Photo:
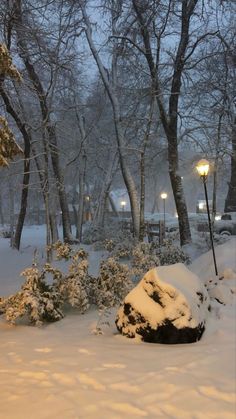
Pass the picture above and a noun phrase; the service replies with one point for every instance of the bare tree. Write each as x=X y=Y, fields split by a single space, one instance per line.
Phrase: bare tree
x=49 y=127
x=110 y=83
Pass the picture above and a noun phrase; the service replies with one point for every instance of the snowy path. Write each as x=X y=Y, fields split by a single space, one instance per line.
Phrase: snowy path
x=64 y=371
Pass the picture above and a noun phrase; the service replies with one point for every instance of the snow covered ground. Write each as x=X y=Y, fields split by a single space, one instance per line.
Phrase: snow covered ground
x=65 y=371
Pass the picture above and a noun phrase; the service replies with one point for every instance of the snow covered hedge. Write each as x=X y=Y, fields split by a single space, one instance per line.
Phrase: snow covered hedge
x=169 y=305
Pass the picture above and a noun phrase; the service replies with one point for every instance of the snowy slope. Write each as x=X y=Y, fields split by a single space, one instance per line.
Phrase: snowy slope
x=64 y=371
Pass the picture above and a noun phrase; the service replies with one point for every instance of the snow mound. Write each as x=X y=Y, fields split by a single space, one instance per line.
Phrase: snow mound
x=169 y=305
x=221 y=293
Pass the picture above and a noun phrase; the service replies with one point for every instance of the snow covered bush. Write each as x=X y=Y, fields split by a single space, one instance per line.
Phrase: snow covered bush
x=123 y=249
x=45 y=293
x=170 y=254
x=112 y=284
x=111 y=231
x=37 y=301
x=144 y=258
x=6 y=234
x=63 y=250
x=169 y=305
x=92 y=234
x=73 y=286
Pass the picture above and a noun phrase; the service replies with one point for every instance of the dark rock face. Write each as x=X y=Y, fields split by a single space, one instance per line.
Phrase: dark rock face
x=165 y=311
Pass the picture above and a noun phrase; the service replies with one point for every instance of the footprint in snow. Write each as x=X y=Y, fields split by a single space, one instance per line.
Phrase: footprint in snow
x=44 y=350
x=119 y=366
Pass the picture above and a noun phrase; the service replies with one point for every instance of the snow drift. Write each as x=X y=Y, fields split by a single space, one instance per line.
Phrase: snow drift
x=169 y=305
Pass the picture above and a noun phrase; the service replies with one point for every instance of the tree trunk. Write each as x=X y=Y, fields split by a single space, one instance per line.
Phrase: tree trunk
x=100 y=216
x=177 y=188
x=11 y=211
x=24 y=197
x=113 y=207
x=53 y=227
x=50 y=217
x=142 y=196
x=80 y=215
x=230 y=202
x=66 y=225
x=142 y=172
x=26 y=177
x=1 y=211
x=216 y=164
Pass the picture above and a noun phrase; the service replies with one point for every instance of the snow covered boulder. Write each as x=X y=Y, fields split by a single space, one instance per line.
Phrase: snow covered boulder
x=169 y=305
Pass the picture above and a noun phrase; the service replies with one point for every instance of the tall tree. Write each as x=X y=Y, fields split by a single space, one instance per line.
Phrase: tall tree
x=169 y=114
x=110 y=84
x=24 y=52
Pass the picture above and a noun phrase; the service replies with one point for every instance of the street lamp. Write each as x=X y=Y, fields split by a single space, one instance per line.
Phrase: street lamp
x=203 y=169
x=123 y=204
x=163 y=197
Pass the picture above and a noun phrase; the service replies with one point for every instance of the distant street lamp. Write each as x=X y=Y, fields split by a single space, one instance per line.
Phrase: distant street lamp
x=123 y=204
x=163 y=197
x=203 y=169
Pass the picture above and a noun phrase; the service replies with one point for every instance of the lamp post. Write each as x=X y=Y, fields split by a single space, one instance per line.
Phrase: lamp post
x=123 y=204
x=163 y=197
x=203 y=169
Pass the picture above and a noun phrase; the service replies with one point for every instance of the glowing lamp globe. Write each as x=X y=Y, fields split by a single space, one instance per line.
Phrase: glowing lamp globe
x=203 y=168
x=163 y=195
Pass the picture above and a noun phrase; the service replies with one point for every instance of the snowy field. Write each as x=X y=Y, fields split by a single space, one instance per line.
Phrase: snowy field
x=64 y=371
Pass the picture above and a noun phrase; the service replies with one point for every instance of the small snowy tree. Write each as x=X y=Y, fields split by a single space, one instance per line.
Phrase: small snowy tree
x=37 y=301
x=113 y=283
x=42 y=299
x=169 y=254
x=144 y=258
x=74 y=287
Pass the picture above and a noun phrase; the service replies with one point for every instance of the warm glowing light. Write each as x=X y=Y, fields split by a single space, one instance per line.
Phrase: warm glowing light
x=203 y=167
x=123 y=203
x=217 y=217
x=163 y=195
x=87 y=198
x=201 y=205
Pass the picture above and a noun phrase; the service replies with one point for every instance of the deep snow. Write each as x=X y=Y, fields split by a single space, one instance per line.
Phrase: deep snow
x=65 y=371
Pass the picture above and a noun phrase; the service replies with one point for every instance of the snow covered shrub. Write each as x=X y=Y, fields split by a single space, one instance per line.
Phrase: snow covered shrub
x=144 y=258
x=63 y=250
x=37 y=301
x=6 y=234
x=73 y=287
x=123 y=249
x=112 y=284
x=169 y=305
x=111 y=231
x=92 y=234
x=45 y=293
x=170 y=254
x=109 y=245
